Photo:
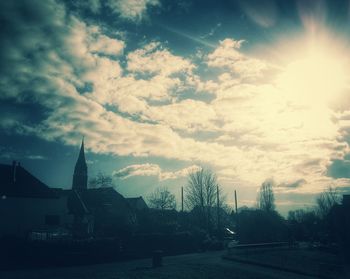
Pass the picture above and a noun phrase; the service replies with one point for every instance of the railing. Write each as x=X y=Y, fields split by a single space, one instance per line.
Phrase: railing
x=260 y=245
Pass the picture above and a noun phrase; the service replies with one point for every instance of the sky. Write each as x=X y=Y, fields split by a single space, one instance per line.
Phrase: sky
x=254 y=90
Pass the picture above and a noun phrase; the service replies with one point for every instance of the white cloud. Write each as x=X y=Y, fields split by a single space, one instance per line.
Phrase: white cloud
x=134 y=10
x=128 y=94
x=187 y=115
x=228 y=55
x=153 y=170
x=165 y=175
x=105 y=45
x=166 y=76
x=154 y=59
x=138 y=170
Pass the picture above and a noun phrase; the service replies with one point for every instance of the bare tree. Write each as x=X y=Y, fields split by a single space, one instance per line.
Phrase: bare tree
x=203 y=195
x=162 y=199
x=326 y=200
x=101 y=180
x=266 y=198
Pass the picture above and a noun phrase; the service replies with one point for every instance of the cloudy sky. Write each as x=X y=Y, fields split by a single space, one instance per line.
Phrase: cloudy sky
x=253 y=90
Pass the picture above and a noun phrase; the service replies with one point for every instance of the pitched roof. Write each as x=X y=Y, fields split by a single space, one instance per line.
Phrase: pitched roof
x=104 y=196
x=87 y=201
x=15 y=181
x=137 y=203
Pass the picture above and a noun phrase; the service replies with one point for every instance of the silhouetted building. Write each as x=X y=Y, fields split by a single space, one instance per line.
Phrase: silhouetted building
x=112 y=213
x=346 y=201
x=100 y=211
x=137 y=203
x=344 y=232
x=82 y=224
x=27 y=204
x=339 y=218
x=80 y=175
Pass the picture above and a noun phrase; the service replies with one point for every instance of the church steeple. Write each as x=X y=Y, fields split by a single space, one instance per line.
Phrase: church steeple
x=80 y=171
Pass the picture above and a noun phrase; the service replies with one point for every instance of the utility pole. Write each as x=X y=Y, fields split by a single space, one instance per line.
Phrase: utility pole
x=182 y=199
x=236 y=202
x=218 y=206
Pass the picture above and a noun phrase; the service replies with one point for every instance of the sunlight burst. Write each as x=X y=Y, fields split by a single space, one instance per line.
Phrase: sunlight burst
x=317 y=76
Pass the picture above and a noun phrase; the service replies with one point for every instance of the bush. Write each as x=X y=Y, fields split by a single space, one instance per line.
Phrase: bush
x=257 y=226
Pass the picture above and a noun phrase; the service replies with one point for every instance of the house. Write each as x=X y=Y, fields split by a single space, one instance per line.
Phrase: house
x=27 y=204
x=100 y=211
x=340 y=225
x=137 y=203
x=82 y=224
x=112 y=213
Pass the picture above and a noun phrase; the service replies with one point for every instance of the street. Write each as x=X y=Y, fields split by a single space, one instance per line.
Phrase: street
x=199 y=265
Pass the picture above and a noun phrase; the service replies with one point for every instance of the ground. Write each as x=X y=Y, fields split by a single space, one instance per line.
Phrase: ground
x=309 y=261
x=199 y=265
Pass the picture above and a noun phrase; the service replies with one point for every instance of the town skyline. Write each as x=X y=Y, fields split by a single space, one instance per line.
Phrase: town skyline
x=160 y=89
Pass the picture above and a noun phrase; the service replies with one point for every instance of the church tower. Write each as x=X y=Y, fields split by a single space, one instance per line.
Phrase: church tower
x=80 y=171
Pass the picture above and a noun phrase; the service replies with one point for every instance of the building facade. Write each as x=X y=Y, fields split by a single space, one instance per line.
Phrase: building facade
x=28 y=205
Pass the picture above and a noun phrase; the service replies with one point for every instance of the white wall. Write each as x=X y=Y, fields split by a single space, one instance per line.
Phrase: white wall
x=18 y=216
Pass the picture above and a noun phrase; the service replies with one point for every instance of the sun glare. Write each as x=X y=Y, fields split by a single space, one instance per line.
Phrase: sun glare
x=316 y=76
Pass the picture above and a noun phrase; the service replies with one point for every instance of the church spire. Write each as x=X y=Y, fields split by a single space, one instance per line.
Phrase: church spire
x=82 y=152
x=80 y=171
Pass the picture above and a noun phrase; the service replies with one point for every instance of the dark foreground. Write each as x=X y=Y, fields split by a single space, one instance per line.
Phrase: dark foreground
x=199 y=265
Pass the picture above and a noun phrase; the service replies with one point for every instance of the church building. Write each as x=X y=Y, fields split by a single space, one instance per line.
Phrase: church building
x=101 y=211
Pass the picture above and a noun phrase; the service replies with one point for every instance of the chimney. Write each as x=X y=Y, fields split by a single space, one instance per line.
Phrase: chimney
x=14 y=166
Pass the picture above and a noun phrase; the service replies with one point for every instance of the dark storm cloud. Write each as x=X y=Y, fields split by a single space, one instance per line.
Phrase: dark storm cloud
x=339 y=169
x=43 y=56
x=123 y=10
x=42 y=44
x=23 y=110
x=28 y=30
x=343 y=190
x=31 y=44
x=308 y=165
x=293 y=185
